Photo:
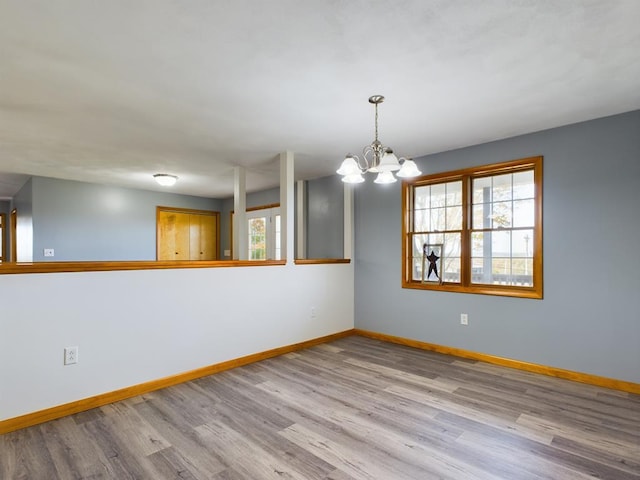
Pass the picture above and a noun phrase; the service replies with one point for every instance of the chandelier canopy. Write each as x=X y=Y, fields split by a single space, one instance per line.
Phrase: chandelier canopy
x=376 y=158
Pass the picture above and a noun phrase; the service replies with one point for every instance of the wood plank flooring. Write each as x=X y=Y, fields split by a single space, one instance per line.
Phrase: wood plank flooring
x=352 y=409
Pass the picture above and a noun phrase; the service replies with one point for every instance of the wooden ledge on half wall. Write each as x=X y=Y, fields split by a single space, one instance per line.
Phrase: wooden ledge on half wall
x=57 y=267
x=106 y=266
x=320 y=261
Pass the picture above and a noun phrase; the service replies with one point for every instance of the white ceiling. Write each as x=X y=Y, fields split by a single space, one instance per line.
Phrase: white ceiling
x=114 y=91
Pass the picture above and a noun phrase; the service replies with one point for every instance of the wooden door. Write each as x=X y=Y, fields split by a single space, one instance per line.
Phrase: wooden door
x=173 y=235
x=185 y=234
x=203 y=230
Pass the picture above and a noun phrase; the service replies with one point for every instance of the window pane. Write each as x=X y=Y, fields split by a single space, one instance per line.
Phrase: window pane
x=438 y=207
x=477 y=244
x=452 y=250
x=438 y=195
x=451 y=269
x=523 y=213
x=257 y=238
x=416 y=268
x=454 y=218
x=482 y=190
x=438 y=223
x=416 y=255
x=454 y=194
x=481 y=216
x=501 y=244
x=501 y=187
x=501 y=215
x=501 y=270
x=501 y=258
x=418 y=242
x=278 y=253
x=480 y=273
x=421 y=197
x=523 y=185
x=522 y=243
x=421 y=220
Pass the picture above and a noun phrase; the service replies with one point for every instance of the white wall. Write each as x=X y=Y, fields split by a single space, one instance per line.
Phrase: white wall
x=136 y=326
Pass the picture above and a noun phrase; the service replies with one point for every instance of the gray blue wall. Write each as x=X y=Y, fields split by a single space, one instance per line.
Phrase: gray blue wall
x=86 y=221
x=589 y=319
x=325 y=211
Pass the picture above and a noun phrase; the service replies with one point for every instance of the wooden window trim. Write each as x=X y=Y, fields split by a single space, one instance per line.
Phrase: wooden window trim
x=466 y=175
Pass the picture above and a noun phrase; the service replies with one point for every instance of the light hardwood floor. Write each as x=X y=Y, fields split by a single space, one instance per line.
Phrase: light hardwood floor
x=355 y=408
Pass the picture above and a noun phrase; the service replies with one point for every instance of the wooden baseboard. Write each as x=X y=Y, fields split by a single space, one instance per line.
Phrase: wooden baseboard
x=78 y=406
x=596 y=380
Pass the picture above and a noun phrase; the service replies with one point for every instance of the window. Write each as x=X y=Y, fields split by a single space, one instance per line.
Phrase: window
x=482 y=225
x=263 y=229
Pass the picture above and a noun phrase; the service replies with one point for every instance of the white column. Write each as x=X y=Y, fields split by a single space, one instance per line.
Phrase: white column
x=301 y=217
x=286 y=206
x=240 y=214
x=348 y=221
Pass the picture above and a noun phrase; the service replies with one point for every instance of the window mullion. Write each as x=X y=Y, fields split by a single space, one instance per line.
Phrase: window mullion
x=465 y=250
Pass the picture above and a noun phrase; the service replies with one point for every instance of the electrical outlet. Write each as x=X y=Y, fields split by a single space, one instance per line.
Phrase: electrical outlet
x=49 y=252
x=70 y=355
x=464 y=319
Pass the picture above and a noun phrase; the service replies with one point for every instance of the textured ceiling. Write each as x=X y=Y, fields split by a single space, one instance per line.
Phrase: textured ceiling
x=114 y=91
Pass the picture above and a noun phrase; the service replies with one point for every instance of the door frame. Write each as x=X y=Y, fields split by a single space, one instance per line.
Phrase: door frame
x=13 y=235
x=3 y=237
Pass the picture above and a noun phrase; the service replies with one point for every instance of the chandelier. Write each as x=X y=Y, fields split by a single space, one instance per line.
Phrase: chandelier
x=376 y=158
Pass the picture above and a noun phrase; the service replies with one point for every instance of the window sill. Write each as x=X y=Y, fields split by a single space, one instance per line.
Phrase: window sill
x=498 y=290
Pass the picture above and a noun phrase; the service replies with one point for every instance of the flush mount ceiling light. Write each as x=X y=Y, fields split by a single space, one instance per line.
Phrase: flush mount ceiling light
x=376 y=158
x=165 y=179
